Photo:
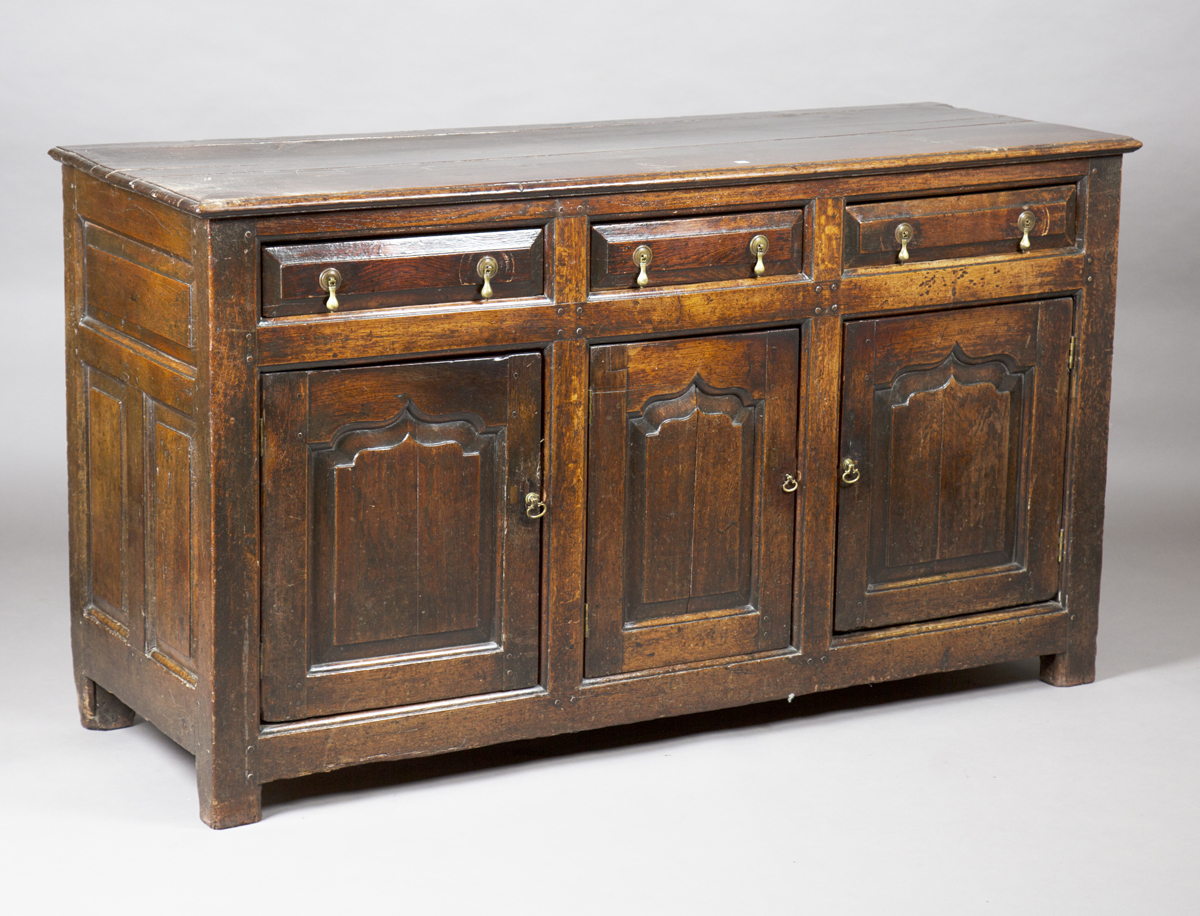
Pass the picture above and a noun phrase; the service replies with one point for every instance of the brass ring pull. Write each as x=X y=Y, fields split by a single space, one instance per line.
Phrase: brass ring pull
x=790 y=484
x=535 y=507
x=486 y=268
x=758 y=247
x=850 y=472
x=1025 y=222
x=904 y=234
x=329 y=281
x=642 y=257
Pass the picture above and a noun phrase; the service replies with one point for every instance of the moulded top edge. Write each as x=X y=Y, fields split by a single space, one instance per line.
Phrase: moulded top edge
x=219 y=178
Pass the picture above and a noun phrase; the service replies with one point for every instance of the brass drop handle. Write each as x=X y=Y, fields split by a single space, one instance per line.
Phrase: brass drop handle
x=850 y=472
x=904 y=234
x=758 y=247
x=329 y=281
x=1025 y=222
x=535 y=506
x=790 y=484
x=486 y=268
x=642 y=257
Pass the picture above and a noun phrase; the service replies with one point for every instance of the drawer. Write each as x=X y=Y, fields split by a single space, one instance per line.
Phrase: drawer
x=696 y=250
x=962 y=226
x=412 y=270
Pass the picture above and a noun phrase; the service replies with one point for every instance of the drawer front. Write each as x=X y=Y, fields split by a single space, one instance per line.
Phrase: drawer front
x=414 y=270
x=963 y=226
x=698 y=250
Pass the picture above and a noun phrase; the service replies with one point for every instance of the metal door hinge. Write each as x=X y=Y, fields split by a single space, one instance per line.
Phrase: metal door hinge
x=262 y=436
x=1071 y=355
x=1062 y=543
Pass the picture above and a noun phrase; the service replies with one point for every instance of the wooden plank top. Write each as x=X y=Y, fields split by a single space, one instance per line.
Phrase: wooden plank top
x=226 y=177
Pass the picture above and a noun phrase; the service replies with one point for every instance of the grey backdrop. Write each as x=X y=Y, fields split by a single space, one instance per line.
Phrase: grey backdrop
x=916 y=797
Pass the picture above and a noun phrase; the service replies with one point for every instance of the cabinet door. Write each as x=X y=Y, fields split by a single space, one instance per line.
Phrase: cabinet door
x=689 y=528
x=399 y=565
x=956 y=423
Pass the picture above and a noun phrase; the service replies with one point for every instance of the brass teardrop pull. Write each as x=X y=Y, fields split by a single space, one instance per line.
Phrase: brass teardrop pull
x=790 y=484
x=758 y=247
x=329 y=281
x=535 y=506
x=904 y=234
x=486 y=268
x=1025 y=222
x=850 y=472
x=642 y=256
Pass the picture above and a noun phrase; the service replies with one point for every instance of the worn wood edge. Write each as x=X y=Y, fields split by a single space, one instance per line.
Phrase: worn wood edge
x=735 y=198
x=138 y=349
x=76 y=434
x=518 y=190
x=125 y=182
x=294 y=343
x=158 y=695
x=312 y=746
x=947 y=624
x=565 y=482
x=960 y=283
x=228 y=575
x=1088 y=430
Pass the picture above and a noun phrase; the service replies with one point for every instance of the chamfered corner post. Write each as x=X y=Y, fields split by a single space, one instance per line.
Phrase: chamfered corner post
x=227 y=692
x=1087 y=461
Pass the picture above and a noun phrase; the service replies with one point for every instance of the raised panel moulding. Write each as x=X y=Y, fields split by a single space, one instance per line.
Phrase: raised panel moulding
x=406 y=521
x=691 y=491
x=952 y=438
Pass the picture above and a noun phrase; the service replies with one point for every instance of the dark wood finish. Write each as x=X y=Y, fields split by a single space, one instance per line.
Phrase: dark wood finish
x=1087 y=462
x=690 y=547
x=115 y=383
x=563 y=571
x=400 y=564
x=241 y=176
x=139 y=291
x=296 y=749
x=355 y=483
x=228 y=572
x=957 y=424
x=410 y=270
x=697 y=250
x=964 y=226
x=170 y=542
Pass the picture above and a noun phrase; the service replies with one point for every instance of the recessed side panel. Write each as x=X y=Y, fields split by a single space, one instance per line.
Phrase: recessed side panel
x=140 y=291
x=170 y=612
x=108 y=497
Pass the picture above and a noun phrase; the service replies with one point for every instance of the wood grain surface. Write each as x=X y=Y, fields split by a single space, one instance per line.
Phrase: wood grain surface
x=301 y=539
x=239 y=176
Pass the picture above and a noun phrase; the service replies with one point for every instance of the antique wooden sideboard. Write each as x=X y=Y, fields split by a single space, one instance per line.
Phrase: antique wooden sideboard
x=391 y=445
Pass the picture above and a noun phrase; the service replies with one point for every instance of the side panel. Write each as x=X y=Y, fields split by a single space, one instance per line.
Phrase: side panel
x=131 y=448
